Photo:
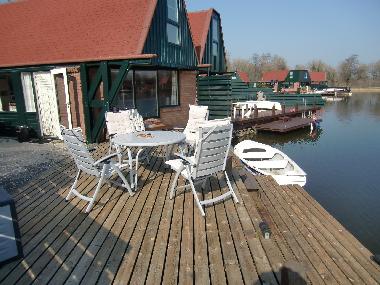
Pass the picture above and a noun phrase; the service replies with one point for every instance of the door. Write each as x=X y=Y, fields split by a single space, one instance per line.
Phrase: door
x=47 y=104
x=61 y=86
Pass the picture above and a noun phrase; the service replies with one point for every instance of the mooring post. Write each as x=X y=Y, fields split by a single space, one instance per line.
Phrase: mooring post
x=255 y=111
x=273 y=110
x=283 y=109
x=296 y=108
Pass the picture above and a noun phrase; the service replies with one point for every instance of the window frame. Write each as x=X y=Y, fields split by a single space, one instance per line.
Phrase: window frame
x=178 y=97
x=173 y=23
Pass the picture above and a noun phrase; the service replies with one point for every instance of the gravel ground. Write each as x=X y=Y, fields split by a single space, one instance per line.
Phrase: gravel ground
x=21 y=162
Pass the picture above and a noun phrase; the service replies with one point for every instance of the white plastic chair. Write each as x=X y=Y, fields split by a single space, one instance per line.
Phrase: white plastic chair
x=197 y=116
x=124 y=122
x=210 y=157
x=103 y=168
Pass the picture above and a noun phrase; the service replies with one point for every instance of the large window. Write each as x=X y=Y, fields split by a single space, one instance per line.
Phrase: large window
x=167 y=88
x=172 y=25
x=147 y=90
x=7 y=95
x=215 y=43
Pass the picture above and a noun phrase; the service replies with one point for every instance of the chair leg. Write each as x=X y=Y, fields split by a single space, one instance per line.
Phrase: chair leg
x=100 y=183
x=196 y=197
x=121 y=175
x=174 y=184
x=230 y=187
x=68 y=197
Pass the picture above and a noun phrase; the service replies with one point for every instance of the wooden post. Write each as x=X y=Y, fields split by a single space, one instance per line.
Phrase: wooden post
x=296 y=108
x=255 y=111
x=293 y=273
x=283 y=109
x=273 y=110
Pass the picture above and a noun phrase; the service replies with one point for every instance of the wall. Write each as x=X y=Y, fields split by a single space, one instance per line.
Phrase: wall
x=178 y=116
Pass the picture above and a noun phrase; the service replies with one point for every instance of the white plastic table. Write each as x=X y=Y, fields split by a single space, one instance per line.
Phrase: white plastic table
x=146 y=139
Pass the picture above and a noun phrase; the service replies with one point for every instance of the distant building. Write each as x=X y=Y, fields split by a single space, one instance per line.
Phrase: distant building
x=206 y=30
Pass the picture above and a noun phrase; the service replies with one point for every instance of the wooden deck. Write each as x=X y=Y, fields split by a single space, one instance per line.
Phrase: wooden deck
x=148 y=238
x=268 y=116
x=285 y=125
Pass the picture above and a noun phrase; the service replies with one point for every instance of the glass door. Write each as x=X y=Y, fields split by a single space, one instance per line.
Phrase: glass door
x=146 y=93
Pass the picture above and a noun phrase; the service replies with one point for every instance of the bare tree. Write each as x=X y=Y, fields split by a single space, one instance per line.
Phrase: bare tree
x=348 y=69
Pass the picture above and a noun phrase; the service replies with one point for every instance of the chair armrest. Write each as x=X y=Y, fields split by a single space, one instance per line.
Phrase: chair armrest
x=106 y=158
x=187 y=159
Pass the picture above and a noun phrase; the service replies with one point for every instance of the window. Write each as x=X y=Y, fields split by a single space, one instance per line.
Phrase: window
x=215 y=43
x=214 y=29
x=173 y=33
x=27 y=88
x=172 y=25
x=7 y=95
x=167 y=88
x=291 y=74
x=146 y=93
x=124 y=99
x=147 y=90
x=173 y=10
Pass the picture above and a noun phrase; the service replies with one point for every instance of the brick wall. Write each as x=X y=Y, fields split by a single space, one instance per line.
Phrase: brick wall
x=76 y=98
x=178 y=116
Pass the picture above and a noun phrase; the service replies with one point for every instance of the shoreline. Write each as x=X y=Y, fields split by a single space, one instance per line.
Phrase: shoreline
x=365 y=89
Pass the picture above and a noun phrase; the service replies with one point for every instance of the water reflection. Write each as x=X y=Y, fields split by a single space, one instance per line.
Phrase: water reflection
x=302 y=136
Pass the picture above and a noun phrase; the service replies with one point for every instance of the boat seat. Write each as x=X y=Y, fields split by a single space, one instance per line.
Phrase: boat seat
x=267 y=164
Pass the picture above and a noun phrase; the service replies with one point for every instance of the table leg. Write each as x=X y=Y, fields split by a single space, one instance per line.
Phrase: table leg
x=131 y=170
x=137 y=166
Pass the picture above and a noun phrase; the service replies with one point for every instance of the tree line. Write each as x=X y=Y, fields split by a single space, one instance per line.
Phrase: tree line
x=350 y=72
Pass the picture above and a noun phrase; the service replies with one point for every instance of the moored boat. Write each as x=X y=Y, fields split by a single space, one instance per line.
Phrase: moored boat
x=263 y=159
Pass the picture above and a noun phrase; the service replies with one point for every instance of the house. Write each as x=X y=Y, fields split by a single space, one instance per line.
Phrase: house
x=318 y=78
x=206 y=30
x=68 y=62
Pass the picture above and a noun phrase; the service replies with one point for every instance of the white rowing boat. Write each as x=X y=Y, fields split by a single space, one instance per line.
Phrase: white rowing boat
x=264 y=159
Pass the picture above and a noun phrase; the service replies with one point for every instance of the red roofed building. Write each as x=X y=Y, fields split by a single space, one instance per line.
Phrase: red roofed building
x=275 y=75
x=67 y=62
x=243 y=76
x=318 y=77
x=206 y=30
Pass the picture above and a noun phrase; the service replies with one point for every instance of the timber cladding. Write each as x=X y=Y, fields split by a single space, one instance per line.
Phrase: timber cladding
x=178 y=116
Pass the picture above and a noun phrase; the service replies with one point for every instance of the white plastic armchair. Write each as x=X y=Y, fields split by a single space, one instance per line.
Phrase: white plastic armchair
x=197 y=116
x=124 y=122
x=103 y=168
x=210 y=157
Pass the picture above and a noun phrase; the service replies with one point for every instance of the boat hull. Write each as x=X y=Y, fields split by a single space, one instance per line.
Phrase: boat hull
x=263 y=159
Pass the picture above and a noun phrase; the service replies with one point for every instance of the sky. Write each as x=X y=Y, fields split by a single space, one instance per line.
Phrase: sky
x=299 y=31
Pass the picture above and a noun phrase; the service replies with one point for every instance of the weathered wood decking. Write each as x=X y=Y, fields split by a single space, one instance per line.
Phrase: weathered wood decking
x=148 y=238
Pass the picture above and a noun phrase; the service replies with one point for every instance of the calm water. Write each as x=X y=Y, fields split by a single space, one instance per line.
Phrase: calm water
x=342 y=160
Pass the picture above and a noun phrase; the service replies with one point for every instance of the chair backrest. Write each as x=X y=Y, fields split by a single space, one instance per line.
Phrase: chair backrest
x=121 y=122
x=73 y=139
x=214 y=141
x=197 y=116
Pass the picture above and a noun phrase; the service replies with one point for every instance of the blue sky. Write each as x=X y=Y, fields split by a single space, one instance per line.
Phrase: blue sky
x=299 y=30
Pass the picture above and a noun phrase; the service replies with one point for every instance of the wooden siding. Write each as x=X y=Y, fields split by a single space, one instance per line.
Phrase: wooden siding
x=170 y=55
x=207 y=56
x=14 y=119
x=218 y=92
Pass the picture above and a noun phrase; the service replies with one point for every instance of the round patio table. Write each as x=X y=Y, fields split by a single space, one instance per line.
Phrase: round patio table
x=146 y=139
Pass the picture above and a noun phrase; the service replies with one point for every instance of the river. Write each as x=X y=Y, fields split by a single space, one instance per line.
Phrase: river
x=342 y=160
